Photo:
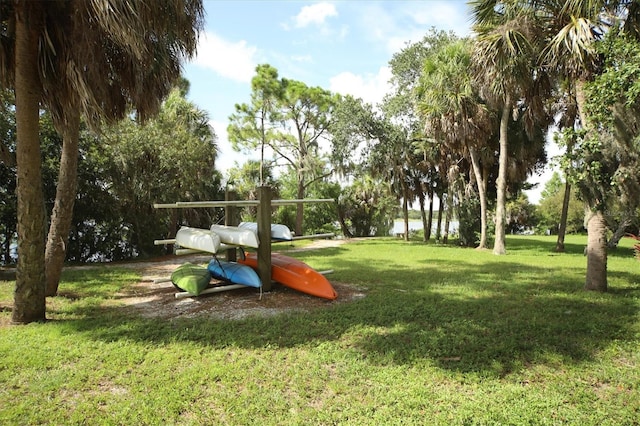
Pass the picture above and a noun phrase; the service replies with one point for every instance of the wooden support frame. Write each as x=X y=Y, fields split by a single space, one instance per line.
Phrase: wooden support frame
x=264 y=237
x=231 y=219
x=264 y=203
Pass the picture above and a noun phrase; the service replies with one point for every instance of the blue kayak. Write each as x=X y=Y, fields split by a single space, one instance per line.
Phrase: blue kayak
x=233 y=272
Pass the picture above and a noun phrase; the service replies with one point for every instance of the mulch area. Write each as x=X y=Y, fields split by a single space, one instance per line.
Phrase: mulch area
x=157 y=299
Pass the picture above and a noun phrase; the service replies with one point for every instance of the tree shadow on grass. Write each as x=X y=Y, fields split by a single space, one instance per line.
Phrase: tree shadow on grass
x=547 y=246
x=489 y=319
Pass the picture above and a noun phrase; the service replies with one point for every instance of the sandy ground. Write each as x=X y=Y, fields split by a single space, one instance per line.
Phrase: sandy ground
x=152 y=299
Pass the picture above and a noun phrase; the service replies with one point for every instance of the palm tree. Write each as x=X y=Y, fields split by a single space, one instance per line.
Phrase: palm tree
x=571 y=31
x=505 y=53
x=91 y=57
x=453 y=112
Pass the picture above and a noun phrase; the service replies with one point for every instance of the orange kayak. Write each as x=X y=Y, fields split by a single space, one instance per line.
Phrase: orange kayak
x=295 y=274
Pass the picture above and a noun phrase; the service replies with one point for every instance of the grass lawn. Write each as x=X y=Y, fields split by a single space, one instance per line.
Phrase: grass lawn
x=444 y=335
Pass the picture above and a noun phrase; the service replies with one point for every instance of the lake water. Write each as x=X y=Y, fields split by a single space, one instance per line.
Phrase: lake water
x=416 y=225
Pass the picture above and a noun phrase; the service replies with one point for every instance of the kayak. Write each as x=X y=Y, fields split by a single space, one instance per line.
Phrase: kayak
x=191 y=278
x=295 y=274
x=197 y=239
x=233 y=272
x=235 y=236
x=279 y=232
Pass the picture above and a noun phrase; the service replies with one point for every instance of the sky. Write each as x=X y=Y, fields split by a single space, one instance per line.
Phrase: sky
x=341 y=46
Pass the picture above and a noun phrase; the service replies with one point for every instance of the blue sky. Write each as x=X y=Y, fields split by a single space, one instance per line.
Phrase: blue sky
x=342 y=46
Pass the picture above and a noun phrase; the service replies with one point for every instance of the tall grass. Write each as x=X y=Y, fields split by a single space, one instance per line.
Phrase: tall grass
x=445 y=335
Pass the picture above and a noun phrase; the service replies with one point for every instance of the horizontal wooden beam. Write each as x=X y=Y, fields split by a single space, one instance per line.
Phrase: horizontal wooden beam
x=238 y=203
x=211 y=290
x=163 y=242
x=313 y=236
x=301 y=201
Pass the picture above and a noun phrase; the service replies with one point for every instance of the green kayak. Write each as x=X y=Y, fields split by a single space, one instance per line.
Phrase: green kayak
x=191 y=278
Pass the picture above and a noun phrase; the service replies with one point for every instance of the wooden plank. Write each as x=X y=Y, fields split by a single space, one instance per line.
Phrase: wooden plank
x=264 y=237
x=185 y=252
x=239 y=203
x=301 y=201
x=314 y=236
x=210 y=290
x=231 y=219
x=163 y=242
x=196 y=204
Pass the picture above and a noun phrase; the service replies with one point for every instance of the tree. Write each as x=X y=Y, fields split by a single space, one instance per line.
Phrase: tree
x=252 y=123
x=299 y=116
x=571 y=31
x=170 y=157
x=366 y=143
x=427 y=166
x=552 y=207
x=367 y=208
x=454 y=114
x=54 y=52
x=506 y=49
x=609 y=158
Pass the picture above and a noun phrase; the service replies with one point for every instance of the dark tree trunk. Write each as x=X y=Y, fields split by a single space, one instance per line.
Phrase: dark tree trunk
x=405 y=214
x=563 y=218
x=423 y=216
x=430 y=220
x=447 y=220
x=626 y=221
x=300 y=208
x=439 y=226
x=62 y=214
x=29 y=299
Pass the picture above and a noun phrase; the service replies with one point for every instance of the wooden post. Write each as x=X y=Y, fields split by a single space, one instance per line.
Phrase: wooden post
x=231 y=219
x=264 y=237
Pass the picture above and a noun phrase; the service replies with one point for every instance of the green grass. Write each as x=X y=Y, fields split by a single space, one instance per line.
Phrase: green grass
x=445 y=335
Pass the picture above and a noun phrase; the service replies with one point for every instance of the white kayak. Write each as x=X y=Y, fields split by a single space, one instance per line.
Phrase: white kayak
x=198 y=239
x=235 y=236
x=279 y=232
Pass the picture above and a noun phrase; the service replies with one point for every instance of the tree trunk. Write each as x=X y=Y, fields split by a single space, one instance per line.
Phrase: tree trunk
x=475 y=161
x=448 y=203
x=581 y=101
x=405 y=213
x=423 y=215
x=596 y=225
x=29 y=299
x=501 y=181
x=430 y=222
x=62 y=214
x=439 y=226
x=343 y=224
x=300 y=207
x=625 y=222
x=596 y=251
x=563 y=218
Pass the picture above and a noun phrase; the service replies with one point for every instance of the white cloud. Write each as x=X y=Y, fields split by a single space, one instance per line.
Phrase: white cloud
x=314 y=14
x=393 y=25
x=233 y=60
x=445 y=15
x=371 y=87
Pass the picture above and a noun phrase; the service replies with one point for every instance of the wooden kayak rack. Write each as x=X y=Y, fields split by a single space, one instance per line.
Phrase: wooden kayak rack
x=264 y=203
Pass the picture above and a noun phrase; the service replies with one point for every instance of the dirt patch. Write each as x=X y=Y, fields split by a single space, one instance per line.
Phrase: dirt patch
x=152 y=299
